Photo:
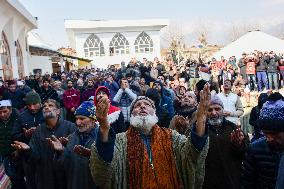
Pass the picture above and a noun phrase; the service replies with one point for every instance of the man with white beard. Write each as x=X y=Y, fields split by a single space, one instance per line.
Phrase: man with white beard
x=227 y=144
x=148 y=156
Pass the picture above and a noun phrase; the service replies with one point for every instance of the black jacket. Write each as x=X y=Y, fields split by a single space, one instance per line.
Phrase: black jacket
x=6 y=137
x=224 y=159
x=48 y=94
x=260 y=167
x=26 y=120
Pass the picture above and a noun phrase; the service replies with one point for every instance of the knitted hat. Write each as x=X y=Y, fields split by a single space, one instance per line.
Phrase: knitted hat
x=142 y=98
x=87 y=109
x=272 y=116
x=32 y=98
x=216 y=100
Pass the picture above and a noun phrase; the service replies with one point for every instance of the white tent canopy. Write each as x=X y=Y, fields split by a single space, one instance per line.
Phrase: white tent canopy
x=254 y=40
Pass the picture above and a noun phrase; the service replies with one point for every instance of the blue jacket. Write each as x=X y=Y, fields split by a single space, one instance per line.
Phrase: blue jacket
x=113 y=88
x=260 y=167
x=77 y=167
x=167 y=103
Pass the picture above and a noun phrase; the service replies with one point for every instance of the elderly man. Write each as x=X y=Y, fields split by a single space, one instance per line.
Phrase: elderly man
x=261 y=165
x=47 y=175
x=148 y=156
x=185 y=113
x=227 y=148
x=12 y=166
x=75 y=156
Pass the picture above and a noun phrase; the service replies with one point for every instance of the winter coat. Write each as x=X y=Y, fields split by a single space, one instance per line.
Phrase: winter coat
x=242 y=67
x=88 y=93
x=48 y=94
x=77 y=167
x=261 y=66
x=6 y=136
x=273 y=65
x=26 y=120
x=224 y=159
x=48 y=174
x=260 y=166
x=113 y=88
x=71 y=99
x=17 y=98
x=124 y=99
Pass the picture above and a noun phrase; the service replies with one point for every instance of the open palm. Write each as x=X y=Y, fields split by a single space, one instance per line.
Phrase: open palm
x=55 y=143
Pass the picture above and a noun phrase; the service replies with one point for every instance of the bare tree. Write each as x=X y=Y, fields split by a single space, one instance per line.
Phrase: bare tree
x=239 y=29
x=173 y=33
x=202 y=31
x=173 y=37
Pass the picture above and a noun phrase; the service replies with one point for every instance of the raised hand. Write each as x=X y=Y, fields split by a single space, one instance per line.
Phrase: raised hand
x=205 y=97
x=102 y=108
x=82 y=151
x=55 y=143
x=20 y=146
x=237 y=137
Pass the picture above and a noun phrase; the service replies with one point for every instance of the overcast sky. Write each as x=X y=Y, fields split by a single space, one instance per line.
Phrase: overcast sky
x=218 y=14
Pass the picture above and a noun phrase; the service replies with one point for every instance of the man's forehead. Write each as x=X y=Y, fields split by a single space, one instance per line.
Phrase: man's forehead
x=49 y=103
x=143 y=101
x=214 y=106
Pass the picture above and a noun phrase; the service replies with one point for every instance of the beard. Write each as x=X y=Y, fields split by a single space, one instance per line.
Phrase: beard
x=49 y=115
x=215 y=121
x=144 y=122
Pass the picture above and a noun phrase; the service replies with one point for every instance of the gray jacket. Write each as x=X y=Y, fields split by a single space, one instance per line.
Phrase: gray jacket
x=48 y=175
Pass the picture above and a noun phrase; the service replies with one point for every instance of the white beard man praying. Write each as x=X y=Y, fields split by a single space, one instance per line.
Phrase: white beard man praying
x=148 y=156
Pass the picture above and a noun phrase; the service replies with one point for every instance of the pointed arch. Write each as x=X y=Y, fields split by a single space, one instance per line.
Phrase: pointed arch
x=143 y=43
x=5 y=56
x=118 y=45
x=20 y=62
x=93 y=46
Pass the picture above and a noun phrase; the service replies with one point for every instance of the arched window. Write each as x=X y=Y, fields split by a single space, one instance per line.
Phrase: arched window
x=5 y=57
x=94 y=46
x=143 y=43
x=20 y=60
x=118 y=45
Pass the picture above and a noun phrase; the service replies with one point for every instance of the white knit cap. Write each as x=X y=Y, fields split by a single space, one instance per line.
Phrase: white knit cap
x=5 y=103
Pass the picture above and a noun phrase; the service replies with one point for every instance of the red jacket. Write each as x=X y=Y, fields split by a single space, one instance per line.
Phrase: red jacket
x=71 y=98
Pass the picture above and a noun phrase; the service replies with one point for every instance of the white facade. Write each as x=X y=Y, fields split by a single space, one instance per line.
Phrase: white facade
x=15 y=22
x=111 y=42
x=42 y=63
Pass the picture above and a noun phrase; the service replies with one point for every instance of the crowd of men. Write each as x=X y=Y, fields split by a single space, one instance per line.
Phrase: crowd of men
x=145 y=125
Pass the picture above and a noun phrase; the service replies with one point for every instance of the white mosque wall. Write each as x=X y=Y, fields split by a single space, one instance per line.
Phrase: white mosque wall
x=42 y=63
x=104 y=61
x=15 y=22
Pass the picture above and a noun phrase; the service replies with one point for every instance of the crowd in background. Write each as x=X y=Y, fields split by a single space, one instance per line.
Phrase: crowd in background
x=28 y=105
